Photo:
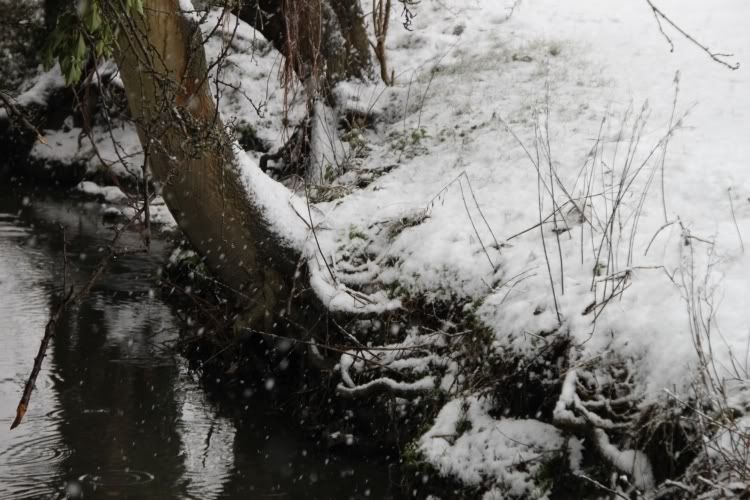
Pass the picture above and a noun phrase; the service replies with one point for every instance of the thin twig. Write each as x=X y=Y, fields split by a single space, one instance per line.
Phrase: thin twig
x=602 y=486
x=716 y=56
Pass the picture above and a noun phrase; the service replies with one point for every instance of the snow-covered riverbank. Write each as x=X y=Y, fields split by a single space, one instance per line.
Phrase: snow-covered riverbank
x=572 y=201
x=635 y=159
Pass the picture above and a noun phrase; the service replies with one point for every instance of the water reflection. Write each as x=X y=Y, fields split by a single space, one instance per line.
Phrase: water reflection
x=207 y=443
x=115 y=413
x=39 y=449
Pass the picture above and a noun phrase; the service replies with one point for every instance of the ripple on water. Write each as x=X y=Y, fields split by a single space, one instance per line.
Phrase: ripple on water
x=9 y=226
x=31 y=465
x=31 y=452
x=24 y=299
x=116 y=478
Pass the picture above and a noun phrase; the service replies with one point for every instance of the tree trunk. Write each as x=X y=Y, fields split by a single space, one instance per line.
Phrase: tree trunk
x=322 y=39
x=52 y=10
x=163 y=68
x=355 y=61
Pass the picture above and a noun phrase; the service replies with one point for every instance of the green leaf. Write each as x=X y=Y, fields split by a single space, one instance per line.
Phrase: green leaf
x=96 y=14
x=81 y=47
x=93 y=20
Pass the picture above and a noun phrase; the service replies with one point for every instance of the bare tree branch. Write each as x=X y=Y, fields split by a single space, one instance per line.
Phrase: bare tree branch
x=716 y=56
x=13 y=110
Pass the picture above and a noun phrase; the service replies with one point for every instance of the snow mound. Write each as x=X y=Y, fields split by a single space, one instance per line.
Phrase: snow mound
x=466 y=443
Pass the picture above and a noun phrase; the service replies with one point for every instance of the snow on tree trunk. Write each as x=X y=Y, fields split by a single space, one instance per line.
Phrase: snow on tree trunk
x=222 y=210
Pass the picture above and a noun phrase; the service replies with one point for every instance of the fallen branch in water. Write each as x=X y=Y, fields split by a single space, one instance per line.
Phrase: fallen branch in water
x=49 y=331
x=70 y=299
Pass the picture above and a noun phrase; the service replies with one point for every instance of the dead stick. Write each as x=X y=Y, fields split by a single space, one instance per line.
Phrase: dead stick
x=49 y=332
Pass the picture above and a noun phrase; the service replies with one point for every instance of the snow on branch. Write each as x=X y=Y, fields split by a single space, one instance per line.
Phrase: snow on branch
x=390 y=386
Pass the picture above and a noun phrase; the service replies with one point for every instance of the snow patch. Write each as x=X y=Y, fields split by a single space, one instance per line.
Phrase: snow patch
x=110 y=194
x=467 y=443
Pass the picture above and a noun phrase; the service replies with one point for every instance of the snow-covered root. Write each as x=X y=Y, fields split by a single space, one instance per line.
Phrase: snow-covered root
x=572 y=414
x=297 y=225
x=384 y=368
x=339 y=298
x=335 y=280
x=632 y=462
x=386 y=385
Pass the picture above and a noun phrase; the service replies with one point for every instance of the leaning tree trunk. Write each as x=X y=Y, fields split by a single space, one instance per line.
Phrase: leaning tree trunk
x=323 y=41
x=163 y=68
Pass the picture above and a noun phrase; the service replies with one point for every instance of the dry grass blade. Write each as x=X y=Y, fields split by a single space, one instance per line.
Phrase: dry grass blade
x=734 y=219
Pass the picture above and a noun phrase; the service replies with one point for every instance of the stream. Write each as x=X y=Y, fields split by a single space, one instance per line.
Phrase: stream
x=116 y=413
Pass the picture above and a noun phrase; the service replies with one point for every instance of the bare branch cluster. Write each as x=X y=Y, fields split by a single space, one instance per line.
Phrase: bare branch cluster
x=408 y=13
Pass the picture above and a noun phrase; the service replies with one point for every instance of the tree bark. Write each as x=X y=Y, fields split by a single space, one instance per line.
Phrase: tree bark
x=323 y=39
x=355 y=61
x=163 y=68
x=52 y=10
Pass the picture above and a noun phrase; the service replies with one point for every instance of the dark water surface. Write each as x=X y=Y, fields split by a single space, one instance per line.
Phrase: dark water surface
x=115 y=413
